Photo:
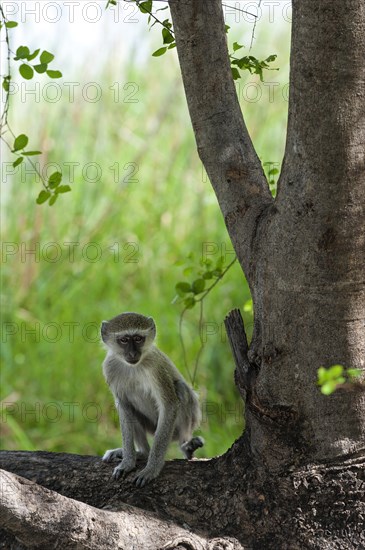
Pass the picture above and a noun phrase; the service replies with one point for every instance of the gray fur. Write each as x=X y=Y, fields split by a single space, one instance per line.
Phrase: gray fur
x=151 y=397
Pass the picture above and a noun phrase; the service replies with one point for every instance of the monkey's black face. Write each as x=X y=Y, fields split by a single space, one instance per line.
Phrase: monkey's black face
x=131 y=346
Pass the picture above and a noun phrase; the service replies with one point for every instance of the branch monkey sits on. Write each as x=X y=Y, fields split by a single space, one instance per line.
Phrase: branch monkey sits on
x=151 y=396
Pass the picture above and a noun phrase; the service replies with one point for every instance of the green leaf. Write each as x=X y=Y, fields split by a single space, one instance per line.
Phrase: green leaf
x=54 y=74
x=145 y=7
x=242 y=63
x=43 y=197
x=335 y=371
x=236 y=46
x=182 y=288
x=322 y=376
x=167 y=36
x=198 y=286
x=226 y=28
x=159 y=52
x=33 y=55
x=330 y=378
x=11 y=24
x=187 y=271
x=31 y=153
x=6 y=83
x=22 y=53
x=235 y=73
x=20 y=142
x=41 y=68
x=271 y=58
x=46 y=57
x=26 y=71
x=208 y=275
x=189 y=302
x=54 y=180
x=18 y=161
x=63 y=189
x=172 y=46
x=53 y=199
x=207 y=263
x=328 y=387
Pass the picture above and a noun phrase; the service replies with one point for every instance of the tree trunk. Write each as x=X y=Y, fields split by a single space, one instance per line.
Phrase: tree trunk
x=304 y=253
x=296 y=478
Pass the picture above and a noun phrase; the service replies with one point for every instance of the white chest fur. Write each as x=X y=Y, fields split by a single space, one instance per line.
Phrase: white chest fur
x=134 y=384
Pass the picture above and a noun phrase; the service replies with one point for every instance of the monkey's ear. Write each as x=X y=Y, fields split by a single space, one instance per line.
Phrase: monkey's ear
x=103 y=328
x=152 y=328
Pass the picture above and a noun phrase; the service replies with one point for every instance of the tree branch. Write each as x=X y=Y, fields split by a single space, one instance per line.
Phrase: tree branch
x=229 y=502
x=44 y=519
x=224 y=145
x=236 y=333
x=184 y=494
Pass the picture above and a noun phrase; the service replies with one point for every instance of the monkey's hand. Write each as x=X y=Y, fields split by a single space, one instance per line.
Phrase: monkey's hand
x=111 y=454
x=147 y=474
x=126 y=466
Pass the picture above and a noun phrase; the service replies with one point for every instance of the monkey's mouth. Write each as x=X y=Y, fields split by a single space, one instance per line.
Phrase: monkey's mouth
x=133 y=361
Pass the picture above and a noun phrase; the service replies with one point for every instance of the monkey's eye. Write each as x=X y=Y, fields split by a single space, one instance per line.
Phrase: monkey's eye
x=138 y=339
x=123 y=340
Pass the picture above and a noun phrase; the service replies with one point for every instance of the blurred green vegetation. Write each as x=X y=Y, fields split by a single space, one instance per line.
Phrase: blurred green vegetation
x=140 y=204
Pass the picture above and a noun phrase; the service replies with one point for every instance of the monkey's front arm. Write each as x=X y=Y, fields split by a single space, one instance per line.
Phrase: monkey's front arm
x=126 y=418
x=156 y=459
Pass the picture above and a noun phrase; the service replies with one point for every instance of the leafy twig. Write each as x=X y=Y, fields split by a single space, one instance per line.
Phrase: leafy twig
x=51 y=187
x=195 y=293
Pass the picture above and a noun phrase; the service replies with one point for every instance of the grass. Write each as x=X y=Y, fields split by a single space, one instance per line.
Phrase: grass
x=139 y=206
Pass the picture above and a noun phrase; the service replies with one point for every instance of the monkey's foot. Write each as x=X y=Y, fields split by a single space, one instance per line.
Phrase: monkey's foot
x=126 y=466
x=189 y=447
x=111 y=454
x=146 y=475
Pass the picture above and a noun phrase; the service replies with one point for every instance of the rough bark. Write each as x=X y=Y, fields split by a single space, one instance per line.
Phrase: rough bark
x=225 y=503
x=43 y=519
x=304 y=253
x=311 y=259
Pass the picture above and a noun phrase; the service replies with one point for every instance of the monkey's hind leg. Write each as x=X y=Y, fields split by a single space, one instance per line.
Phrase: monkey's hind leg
x=141 y=440
x=189 y=447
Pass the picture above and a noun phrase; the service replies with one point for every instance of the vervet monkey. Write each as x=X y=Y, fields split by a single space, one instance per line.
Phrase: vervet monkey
x=150 y=394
